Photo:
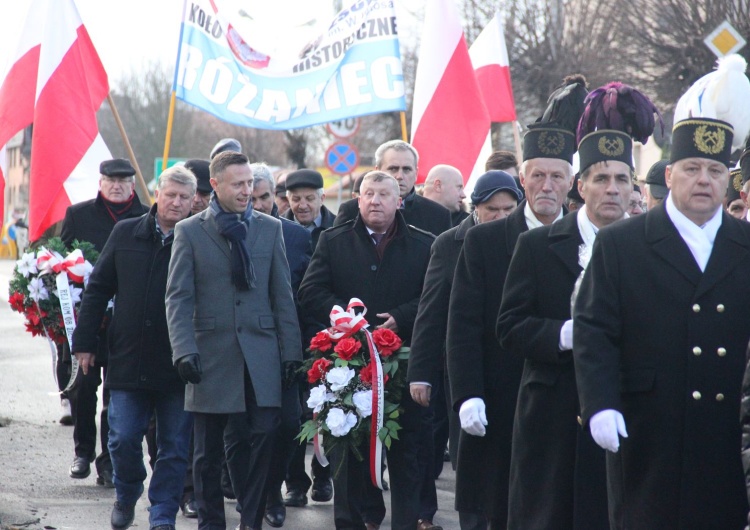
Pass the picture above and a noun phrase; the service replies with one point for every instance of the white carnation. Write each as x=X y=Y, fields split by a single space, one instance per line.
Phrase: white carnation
x=339 y=377
x=363 y=401
x=340 y=422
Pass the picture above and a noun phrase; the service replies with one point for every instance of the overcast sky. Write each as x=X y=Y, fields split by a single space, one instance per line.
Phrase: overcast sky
x=128 y=35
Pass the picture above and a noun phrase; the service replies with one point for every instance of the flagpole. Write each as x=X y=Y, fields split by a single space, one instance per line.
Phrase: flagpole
x=168 y=139
x=517 y=140
x=139 y=182
x=404 y=136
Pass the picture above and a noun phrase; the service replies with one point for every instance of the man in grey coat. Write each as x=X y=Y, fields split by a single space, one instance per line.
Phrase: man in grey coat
x=235 y=338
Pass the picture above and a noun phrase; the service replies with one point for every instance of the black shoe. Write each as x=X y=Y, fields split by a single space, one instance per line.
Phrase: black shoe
x=80 y=468
x=189 y=509
x=163 y=527
x=275 y=510
x=386 y=487
x=446 y=455
x=226 y=486
x=295 y=499
x=104 y=478
x=122 y=516
x=322 y=490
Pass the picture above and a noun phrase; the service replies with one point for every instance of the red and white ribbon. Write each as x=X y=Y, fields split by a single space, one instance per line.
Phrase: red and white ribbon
x=318 y=446
x=345 y=323
x=378 y=387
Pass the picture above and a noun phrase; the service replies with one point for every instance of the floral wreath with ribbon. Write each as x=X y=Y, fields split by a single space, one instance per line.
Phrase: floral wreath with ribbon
x=46 y=289
x=357 y=379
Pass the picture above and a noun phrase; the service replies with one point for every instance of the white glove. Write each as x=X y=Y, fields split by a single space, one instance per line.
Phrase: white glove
x=473 y=417
x=605 y=426
x=566 y=336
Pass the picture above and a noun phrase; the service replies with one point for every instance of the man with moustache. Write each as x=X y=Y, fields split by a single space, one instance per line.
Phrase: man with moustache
x=235 y=339
x=484 y=378
x=400 y=160
x=557 y=474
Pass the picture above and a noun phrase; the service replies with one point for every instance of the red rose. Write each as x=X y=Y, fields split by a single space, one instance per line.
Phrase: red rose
x=318 y=370
x=322 y=341
x=367 y=374
x=386 y=341
x=347 y=348
x=16 y=302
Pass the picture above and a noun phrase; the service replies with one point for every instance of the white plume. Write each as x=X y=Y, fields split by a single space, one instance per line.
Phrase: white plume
x=723 y=94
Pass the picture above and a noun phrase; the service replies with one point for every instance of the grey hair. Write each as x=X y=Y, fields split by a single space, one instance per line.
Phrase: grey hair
x=319 y=191
x=380 y=176
x=180 y=175
x=262 y=173
x=396 y=145
x=569 y=166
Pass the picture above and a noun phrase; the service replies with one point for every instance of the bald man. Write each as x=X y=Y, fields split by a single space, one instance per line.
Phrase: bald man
x=445 y=186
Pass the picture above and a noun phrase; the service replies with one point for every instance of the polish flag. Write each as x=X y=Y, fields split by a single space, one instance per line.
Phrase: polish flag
x=57 y=82
x=489 y=56
x=449 y=119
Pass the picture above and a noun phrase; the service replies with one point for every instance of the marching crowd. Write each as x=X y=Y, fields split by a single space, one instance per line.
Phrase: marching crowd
x=578 y=343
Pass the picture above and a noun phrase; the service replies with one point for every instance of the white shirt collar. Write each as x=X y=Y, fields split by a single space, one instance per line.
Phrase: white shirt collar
x=699 y=239
x=532 y=221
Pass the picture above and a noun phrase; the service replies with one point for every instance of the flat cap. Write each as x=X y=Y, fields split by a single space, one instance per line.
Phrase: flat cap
x=304 y=178
x=657 y=185
x=200 y=170
x=117 y=167
x=226 y=144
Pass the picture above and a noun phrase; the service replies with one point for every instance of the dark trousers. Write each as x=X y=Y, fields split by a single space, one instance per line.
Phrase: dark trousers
x=83 y=402
x=248 y=439
x=296 y=477
x=356 y=501
x=440 y=424
x=286 y=444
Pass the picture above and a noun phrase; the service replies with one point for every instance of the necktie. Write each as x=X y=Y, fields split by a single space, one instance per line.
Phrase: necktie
x=376 y=238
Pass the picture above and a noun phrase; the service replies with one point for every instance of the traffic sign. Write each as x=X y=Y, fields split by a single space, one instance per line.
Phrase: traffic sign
x=724 y=40
x=341 y=158
x=343 y=128
x=159 y=166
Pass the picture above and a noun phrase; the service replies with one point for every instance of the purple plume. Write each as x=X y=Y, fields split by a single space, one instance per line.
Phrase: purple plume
x=621 y=107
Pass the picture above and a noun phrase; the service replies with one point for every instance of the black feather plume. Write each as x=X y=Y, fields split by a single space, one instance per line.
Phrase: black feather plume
x=565 y=105
x=621 y=107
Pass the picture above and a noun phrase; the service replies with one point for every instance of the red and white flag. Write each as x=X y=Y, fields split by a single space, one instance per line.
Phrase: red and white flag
x=449 y=119
x=489 y=56
x=57 y=82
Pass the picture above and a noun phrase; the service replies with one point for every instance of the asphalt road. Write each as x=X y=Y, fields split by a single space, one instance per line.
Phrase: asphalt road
x=36 y=451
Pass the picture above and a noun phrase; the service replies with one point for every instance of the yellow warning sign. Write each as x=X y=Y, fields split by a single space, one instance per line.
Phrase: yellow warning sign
x=724 y=40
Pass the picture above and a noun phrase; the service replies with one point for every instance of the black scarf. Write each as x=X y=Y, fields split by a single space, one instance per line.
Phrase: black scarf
x=234 y=227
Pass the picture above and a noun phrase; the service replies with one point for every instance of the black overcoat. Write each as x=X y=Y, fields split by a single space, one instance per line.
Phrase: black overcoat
x=90 y=221
x=664 y=343
x=423 y=213
x=345 y=265
x=478 y=367
x=133 y=266
x=557 y=472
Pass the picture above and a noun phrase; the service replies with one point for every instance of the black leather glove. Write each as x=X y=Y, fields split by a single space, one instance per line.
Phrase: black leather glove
x=290 y=373
x=189 y=368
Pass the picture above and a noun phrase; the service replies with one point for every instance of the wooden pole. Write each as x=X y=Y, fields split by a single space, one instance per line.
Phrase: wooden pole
x=404 y=136
x=140 y=184
x=168 y=139
x=517 y=139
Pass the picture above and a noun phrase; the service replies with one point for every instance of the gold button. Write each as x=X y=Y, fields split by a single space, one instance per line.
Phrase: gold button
x=696 y=395
x=719 y=397
x=721 y=352
x=696 y=308
x=697 y=350
x=580 y=420
x=720 y=308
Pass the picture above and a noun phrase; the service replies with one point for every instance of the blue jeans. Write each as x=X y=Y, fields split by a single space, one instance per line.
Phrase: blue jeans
x=129 y=414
